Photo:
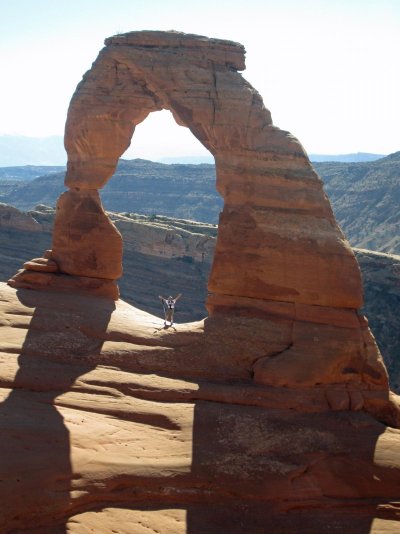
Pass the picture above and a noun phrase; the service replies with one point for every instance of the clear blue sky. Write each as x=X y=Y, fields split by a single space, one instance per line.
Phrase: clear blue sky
x=327 y=69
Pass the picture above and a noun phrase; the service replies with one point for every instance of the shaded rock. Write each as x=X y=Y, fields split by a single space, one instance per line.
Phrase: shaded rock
x=277 y=227
x=280 y=396
x=164 y=237
x=365 y=198
x=153 y=265
x=381 y=277
x=11 y=217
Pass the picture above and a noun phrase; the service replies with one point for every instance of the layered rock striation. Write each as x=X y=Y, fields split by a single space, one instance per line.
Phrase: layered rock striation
x=162 y=254
x=273 y=199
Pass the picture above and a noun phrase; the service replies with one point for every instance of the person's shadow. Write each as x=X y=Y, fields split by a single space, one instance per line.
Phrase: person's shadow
x=35 y=465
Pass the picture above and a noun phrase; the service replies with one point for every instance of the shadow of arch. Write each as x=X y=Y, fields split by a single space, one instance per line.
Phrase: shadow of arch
x=35 y=457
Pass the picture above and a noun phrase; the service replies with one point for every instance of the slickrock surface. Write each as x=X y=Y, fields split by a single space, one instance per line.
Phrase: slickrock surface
x=278 y=241
x=110 y=422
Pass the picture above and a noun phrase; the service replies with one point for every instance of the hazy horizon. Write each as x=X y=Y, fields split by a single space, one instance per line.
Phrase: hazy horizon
x=49 y=151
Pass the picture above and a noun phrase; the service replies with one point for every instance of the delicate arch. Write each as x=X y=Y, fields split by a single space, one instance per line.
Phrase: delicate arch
x=277 y=240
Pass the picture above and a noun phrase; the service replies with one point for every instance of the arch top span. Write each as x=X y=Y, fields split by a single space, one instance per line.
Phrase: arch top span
x=194 y=77
x=221 y=51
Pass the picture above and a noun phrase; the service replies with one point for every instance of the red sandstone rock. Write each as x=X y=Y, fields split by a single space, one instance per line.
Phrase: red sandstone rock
x=277 y=229
x=229 y=419
x=11 y=217
x=41 y=264
x=278 y=241
x=85 y=242
x=49 y=281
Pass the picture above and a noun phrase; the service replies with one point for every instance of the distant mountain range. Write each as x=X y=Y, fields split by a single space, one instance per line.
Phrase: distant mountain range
x=28 y=172
x=17 y=150
x=140 y=186
x=358 y=157
x=365 y=196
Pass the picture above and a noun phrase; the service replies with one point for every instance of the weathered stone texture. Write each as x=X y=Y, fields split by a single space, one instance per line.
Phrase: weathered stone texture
x=235 y=410
x=100 y=406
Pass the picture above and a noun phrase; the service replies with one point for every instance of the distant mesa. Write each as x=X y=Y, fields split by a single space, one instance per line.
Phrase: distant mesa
x=358 y=157
x=363 y=195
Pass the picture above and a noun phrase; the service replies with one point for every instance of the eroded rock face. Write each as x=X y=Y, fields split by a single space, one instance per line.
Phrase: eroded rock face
x=277 y=240
x=85 y=241
x=11 y=217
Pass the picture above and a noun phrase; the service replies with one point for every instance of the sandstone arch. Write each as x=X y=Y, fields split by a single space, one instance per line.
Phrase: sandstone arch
x=277 y=239
x=283 y=274
x=283 y=344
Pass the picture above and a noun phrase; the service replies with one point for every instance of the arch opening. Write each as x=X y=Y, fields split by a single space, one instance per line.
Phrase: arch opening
x=167 y=214
x=159 y=138
x=180 y=189
x=280 y=256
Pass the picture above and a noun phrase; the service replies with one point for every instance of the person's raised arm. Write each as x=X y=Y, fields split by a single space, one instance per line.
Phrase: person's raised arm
x=178 y=297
